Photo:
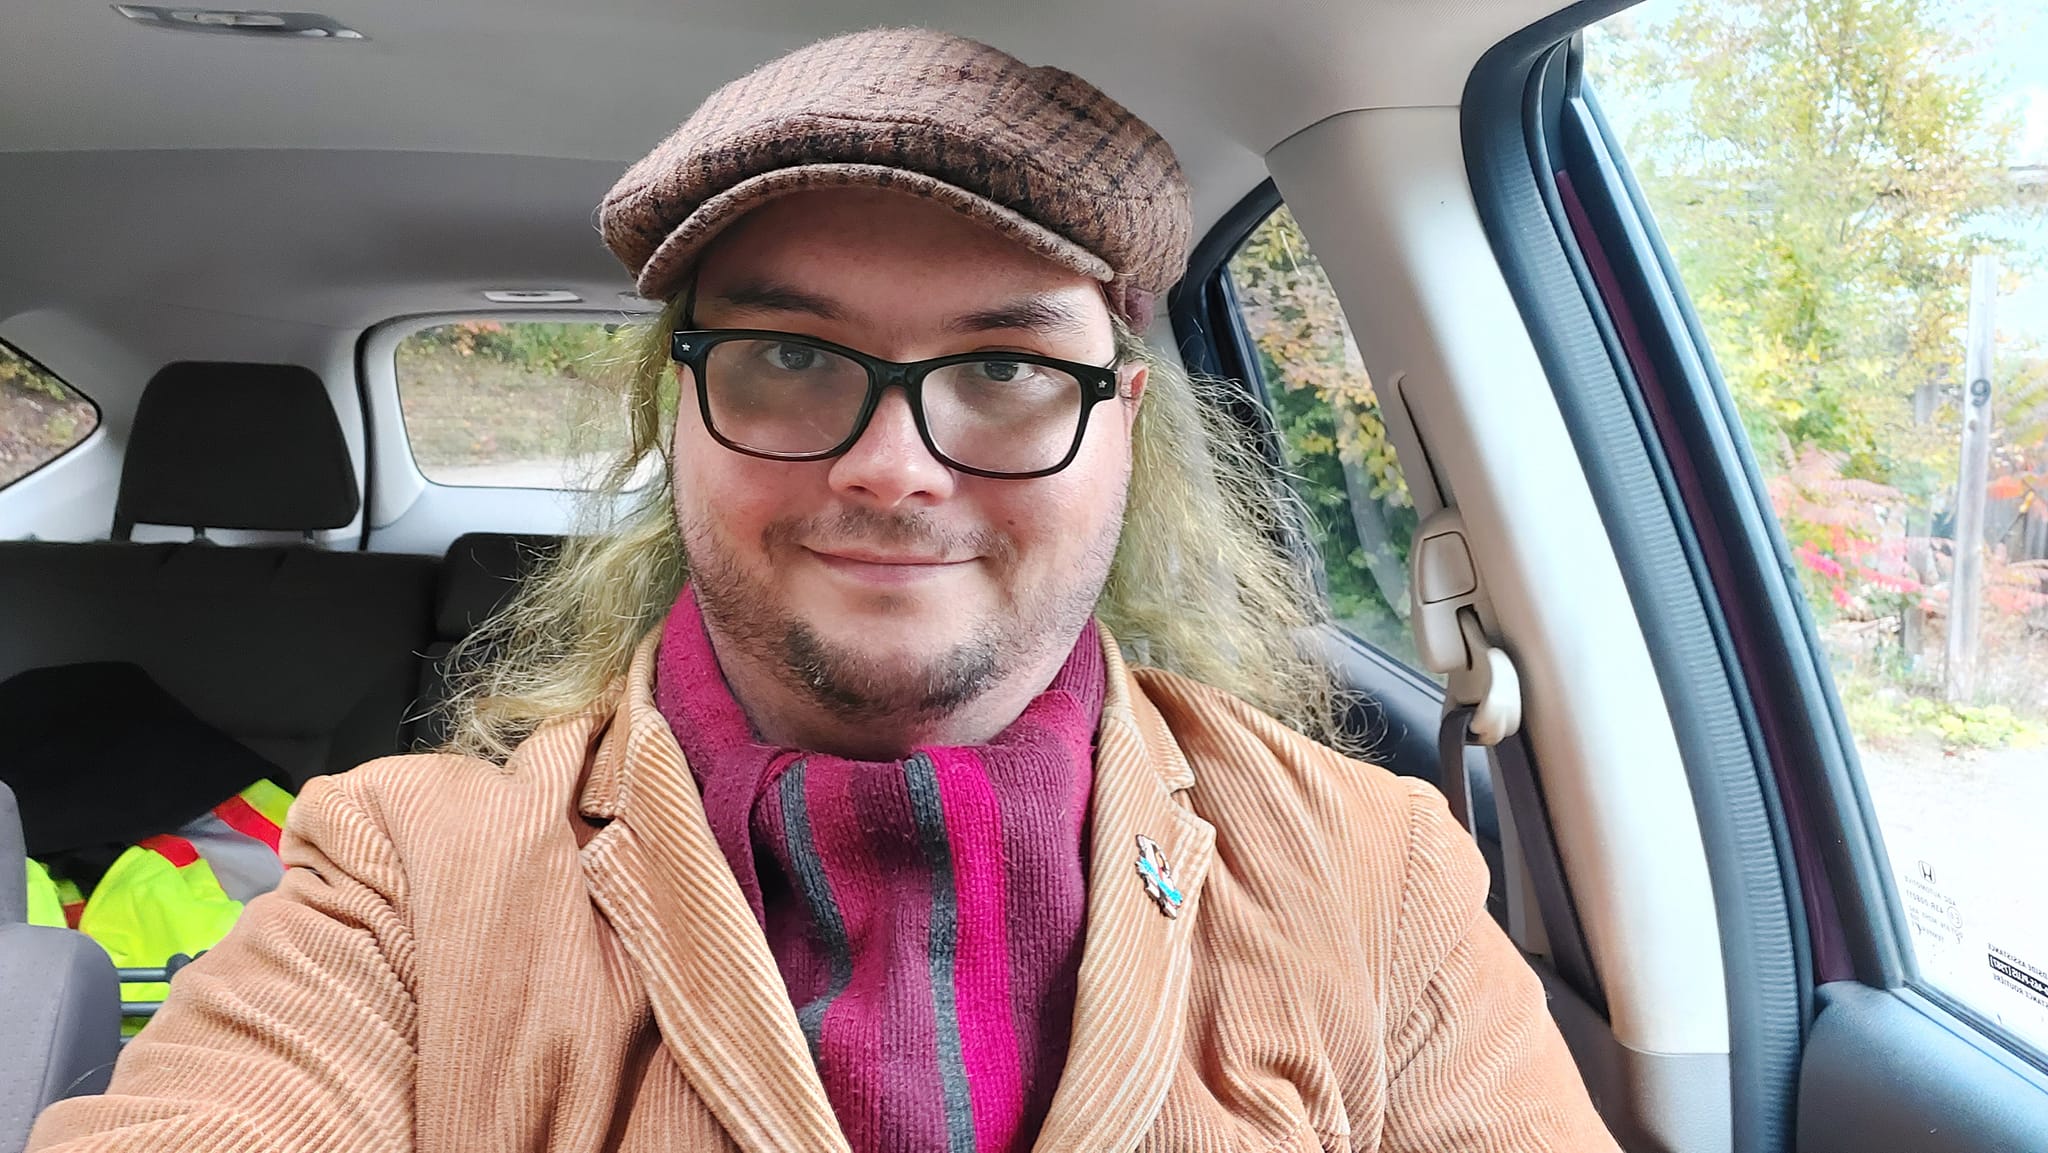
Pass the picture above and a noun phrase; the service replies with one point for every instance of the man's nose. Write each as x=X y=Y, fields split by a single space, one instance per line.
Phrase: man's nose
x=889 y=466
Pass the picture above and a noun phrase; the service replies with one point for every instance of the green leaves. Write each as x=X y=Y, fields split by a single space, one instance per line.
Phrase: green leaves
x=1822 y=169
x=562 y=349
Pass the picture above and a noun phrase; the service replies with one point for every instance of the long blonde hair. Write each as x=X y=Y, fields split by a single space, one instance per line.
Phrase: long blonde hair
x=1201 y=584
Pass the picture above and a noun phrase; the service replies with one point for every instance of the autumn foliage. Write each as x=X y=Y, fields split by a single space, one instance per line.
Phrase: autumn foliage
x=1823 y=172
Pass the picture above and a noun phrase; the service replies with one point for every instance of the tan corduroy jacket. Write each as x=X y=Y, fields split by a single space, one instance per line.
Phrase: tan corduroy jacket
x=553 y=955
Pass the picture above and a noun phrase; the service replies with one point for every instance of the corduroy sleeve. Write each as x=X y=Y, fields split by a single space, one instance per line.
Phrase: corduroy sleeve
x=1476 y=1064
x=296 y=1032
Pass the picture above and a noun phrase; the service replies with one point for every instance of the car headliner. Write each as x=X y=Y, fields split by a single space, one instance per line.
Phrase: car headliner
x=465 y=142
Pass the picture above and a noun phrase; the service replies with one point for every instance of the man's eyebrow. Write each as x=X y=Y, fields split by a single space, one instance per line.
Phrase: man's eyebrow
x=768 y=296
x=1048 y=315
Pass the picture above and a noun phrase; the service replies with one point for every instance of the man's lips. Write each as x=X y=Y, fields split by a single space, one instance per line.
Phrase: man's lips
x=885 y=567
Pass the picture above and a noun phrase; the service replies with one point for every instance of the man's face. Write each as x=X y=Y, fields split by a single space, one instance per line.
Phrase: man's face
x=881 y=583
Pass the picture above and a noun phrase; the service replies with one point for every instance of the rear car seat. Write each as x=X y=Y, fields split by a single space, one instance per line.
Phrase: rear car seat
x=307 y=656
x=61 y=1009
x=479 y=574
x=313 y=659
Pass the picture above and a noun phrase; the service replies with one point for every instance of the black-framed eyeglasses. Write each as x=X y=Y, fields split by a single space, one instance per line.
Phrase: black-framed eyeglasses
x=784 y=396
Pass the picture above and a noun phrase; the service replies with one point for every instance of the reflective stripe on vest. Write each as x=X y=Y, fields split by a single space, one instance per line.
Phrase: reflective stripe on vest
x=245 y=866
x=242 y=817
x=272 y=802
x=238 y=841
x=177 y=850
x=74 y=902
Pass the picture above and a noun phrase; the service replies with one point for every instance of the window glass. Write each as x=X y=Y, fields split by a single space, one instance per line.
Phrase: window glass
x=513 y=403
x=1337 y=450
x=41 y=417
x=1841 y=184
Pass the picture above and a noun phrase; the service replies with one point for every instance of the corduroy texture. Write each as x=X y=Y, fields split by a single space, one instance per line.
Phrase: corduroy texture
x=926 y=914
x=1038 y=154
x=554 y=955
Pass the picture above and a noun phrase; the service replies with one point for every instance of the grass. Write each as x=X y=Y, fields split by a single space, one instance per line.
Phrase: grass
x=1893 y=704
x=477 y=409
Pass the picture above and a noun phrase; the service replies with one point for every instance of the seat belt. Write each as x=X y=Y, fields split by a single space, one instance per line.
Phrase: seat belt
x=1483 y=707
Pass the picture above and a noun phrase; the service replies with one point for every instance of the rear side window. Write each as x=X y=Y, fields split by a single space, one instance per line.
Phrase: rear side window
x=1328 y=414
x=510 y=404
x=41 y=417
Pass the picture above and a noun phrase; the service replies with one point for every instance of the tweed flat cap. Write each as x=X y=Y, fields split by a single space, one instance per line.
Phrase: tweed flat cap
x=1038 y=154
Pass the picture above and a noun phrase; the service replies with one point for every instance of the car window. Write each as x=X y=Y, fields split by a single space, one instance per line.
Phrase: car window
x=41 y=417
x=1854 y=196
x=1328 y=416
x=509 y=403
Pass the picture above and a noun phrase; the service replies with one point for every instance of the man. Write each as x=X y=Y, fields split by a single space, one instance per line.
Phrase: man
x=867 y=837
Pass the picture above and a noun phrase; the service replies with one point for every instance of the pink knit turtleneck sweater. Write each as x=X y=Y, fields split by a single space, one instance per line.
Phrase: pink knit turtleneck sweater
x=926 y=914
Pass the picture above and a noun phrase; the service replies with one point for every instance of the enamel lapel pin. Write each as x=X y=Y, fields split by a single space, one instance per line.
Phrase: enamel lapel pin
x=1158 y=877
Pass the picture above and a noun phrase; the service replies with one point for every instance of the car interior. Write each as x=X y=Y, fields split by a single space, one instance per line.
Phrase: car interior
x=253 y=244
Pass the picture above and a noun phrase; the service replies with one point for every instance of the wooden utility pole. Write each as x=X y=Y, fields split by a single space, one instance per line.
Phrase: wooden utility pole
x=1967 y=583
x=1915 y=638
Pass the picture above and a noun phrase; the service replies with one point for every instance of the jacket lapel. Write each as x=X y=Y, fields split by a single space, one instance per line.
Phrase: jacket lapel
x=1131 y=1008
x=660 y=878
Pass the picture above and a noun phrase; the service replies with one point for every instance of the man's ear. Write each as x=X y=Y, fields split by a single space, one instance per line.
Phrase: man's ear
x=1132 y=386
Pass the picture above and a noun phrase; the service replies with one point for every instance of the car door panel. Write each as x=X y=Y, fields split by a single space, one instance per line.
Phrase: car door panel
x=1879 y=1073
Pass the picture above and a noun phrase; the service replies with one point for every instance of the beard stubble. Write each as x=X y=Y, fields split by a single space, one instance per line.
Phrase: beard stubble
x=851 y=684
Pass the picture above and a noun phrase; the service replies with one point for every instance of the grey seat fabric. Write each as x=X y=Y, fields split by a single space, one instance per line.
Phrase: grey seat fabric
x=479 y=574
x=60 y=1003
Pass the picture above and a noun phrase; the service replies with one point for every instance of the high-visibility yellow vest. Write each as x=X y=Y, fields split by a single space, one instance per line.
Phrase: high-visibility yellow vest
x=46 y=898
x=177 y=892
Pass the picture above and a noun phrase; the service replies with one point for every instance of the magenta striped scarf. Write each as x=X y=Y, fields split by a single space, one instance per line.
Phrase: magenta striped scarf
x=925 y=914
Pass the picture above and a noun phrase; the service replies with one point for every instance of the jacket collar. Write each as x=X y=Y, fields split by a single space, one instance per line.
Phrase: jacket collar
x=660 y=878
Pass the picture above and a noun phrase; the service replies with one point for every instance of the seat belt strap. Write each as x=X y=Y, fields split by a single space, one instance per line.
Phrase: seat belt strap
x=1483 y=706
x=1569 y=953
x=1452 y=738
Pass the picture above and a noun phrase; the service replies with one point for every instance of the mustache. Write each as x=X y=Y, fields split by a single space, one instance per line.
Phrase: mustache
x=909 y=531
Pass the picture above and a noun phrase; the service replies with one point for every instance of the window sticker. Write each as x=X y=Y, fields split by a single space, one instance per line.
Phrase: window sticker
x=1976 y=926
x=2028 y=981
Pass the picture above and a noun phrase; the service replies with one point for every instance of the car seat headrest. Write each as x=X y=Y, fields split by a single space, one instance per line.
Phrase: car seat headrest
x=236 y=446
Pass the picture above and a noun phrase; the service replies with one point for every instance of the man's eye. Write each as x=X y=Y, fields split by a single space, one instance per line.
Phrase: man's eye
x=1001 y=371
x=795 y=357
